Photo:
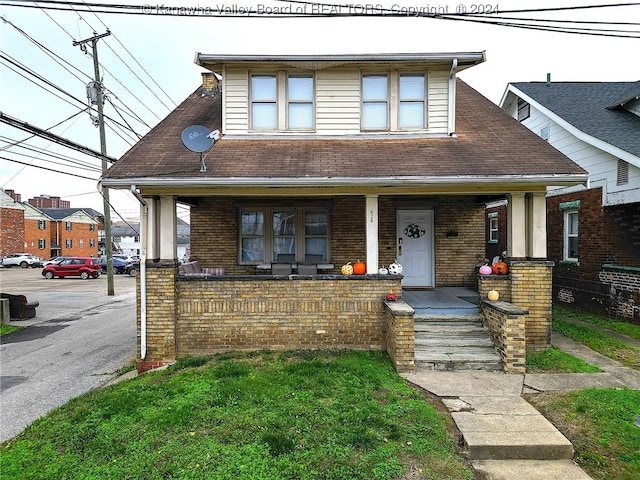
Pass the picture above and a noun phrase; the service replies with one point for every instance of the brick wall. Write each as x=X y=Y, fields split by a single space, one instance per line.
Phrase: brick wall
x=32 y=234
x=161 y=315
x=214 y=241
x=11 y=231
x=607 y=236
x=507 y=327
x=401 y=343
x=460 y=240
x=249 y=313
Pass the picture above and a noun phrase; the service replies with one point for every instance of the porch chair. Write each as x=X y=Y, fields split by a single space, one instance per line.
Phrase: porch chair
x=307 y=269
x=281 y=269
x=285 y=258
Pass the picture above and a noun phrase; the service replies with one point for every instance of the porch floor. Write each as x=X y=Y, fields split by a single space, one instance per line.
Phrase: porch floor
x=445 y=300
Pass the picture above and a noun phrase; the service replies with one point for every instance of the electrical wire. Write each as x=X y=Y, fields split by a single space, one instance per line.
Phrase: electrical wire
x=76 y=163
x=46 y=168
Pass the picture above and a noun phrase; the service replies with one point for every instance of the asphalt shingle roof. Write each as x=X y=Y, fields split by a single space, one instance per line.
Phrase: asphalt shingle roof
x=489 y=142
x=593 y=108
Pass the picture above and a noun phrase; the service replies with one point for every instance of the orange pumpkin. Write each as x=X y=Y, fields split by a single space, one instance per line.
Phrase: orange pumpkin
x=359 y=268
x=500 y=268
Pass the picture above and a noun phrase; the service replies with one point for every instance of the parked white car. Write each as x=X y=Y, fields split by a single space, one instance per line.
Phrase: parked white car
x=23 y=260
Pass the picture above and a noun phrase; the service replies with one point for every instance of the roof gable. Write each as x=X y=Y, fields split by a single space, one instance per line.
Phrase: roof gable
x=587 y=107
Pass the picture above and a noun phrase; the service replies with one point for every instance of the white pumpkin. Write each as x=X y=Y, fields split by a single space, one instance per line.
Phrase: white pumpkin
x=395 y=268
x=347 y=269
x=493 y=295
x=382 y=271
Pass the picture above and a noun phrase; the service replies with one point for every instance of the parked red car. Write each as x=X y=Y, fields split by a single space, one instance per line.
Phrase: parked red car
x=83 y=267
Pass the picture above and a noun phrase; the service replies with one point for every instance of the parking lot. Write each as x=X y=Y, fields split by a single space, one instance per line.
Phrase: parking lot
x=77 y=341
x=60 y=297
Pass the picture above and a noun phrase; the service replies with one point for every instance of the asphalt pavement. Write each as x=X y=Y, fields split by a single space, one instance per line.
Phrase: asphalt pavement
x=79 y=339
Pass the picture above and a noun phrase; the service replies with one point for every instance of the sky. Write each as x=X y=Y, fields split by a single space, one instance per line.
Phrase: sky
x=147 y=66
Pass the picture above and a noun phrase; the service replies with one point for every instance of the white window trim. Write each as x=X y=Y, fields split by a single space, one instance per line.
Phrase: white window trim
x=566 y=235
x=363 y=102
x=493 y=218
x=301 y=102
x=424 y=100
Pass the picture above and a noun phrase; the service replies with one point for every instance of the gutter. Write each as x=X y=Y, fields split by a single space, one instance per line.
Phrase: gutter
x=143 y=275
x=451 y=110
x=389 y=181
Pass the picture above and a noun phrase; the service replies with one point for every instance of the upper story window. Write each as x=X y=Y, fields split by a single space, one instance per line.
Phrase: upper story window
x=42 y=243
x=264 y=102
x=375 y=102
x=296 y=94
x=524 y=110
x=412 y=98
x=544 y=133
x=92 y=227
x=300 y=102
x=68 y=226
x=42 y=224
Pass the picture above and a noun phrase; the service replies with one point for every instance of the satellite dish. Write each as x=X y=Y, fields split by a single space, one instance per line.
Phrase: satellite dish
x=196 y=138
x=200 y=140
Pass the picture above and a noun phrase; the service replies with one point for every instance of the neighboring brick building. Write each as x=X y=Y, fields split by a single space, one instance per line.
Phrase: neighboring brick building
x=594 y=233
x=46 y=232
x=47 y=201
x=12 y=239
x=73 y=232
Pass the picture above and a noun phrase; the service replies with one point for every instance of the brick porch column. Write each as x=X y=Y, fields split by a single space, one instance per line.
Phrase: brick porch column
x=531 y=290
x=161 y=316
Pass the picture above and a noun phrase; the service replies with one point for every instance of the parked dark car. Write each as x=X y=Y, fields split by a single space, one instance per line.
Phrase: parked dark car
x=132 y=268
x=83 y=267
x=119 y=265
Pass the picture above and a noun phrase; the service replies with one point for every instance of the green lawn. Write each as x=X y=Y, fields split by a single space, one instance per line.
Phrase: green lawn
x=293 y=415
x=599 y=342
x=555 y=360
x=625 y=328
x=601 y=425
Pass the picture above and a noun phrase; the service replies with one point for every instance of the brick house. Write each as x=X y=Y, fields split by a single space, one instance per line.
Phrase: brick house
x=337 y=158
x=593 y=231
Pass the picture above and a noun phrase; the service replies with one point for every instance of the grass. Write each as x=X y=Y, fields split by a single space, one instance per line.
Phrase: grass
x=555 y=360
x=625 y=328
x=7 y=329
x=291 y=415
x=599 y=342
x=601 y=425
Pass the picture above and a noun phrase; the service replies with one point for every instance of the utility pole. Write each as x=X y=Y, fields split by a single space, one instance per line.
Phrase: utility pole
x=103 y=150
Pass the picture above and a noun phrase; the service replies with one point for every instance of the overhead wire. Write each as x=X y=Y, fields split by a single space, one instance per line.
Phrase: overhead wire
x=46 y=168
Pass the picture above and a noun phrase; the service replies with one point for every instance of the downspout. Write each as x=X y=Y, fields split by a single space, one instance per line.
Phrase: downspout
x=451 y=115
x=143 y=278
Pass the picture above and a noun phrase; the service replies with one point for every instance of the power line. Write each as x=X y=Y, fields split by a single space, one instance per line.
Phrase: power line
x=48 y=169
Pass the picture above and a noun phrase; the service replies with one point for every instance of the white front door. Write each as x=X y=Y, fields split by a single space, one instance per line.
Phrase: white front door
x=414 y=247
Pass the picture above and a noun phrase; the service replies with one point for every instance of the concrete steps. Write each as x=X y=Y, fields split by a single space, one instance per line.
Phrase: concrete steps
x=450 y=341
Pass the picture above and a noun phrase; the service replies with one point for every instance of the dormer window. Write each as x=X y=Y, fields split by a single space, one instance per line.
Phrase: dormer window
x=412 y=97
x=375 y=102
x=281 y=101
x=264 y=102
x=300 y=102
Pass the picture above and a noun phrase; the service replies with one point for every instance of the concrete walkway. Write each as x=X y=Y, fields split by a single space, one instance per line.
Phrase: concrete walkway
x=505 y=437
